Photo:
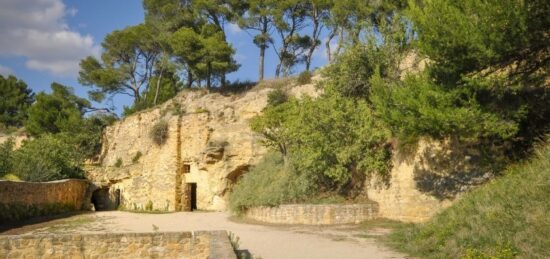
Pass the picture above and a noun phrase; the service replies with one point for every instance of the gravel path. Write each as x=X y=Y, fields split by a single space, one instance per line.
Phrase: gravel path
x=265 y=241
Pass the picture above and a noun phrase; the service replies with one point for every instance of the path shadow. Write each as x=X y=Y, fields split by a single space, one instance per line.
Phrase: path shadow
x=15 y=228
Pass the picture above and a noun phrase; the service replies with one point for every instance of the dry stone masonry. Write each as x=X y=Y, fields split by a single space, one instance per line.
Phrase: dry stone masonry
x=21 y=200
x=315 y=214
x=198 y=244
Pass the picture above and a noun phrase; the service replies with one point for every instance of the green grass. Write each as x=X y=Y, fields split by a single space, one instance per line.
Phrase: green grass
x=506 y=218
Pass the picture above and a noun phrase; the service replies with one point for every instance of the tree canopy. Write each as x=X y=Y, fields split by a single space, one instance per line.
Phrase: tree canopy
x=16 y=99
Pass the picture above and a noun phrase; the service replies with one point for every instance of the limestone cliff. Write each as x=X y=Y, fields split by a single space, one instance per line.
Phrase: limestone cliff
x=208 y=146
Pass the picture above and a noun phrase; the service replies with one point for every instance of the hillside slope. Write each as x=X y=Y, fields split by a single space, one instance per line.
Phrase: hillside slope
x=509 y=217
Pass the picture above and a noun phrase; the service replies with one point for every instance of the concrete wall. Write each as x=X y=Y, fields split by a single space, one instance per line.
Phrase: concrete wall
x=198 y=244
x=20 y=200
x=314 y=214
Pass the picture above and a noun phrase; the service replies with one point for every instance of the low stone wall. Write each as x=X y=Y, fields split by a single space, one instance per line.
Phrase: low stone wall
x=314 y=214
x=198 y=244
x=21 y=200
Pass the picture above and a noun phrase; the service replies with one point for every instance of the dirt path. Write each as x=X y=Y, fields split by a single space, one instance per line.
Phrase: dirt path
x=263 y=241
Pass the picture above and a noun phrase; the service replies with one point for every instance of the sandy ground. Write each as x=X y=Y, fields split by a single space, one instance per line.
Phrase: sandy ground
x=265 y=241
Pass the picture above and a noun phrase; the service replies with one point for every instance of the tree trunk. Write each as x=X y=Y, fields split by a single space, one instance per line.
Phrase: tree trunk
x=208 y=77
x=278 y=70
x=261 y=66
x=189 y=79
x=158 y=86
x=262 y=50
x=327 y=45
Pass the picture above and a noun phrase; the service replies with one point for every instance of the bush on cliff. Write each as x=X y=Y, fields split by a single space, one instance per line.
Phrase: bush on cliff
x=506 y=218
x=159 y=132
x=269 y=183
x=47 y=158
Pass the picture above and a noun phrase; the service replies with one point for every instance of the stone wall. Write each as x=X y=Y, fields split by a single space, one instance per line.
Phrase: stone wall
x=198 y=244
x=20 y=200
x=314 y=214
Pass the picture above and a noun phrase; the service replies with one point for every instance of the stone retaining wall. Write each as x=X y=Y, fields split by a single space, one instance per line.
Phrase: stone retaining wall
x=198 y=244
x=313 y=214
x=21 y=200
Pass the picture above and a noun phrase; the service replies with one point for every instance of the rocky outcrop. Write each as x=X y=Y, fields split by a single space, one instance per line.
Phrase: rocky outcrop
x=427 y=179
x=209 y=144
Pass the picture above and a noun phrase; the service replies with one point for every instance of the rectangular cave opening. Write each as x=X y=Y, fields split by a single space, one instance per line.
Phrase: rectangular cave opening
x=193 y=195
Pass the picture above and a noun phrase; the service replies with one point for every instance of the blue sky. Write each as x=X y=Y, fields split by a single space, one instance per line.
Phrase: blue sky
x=43 y=40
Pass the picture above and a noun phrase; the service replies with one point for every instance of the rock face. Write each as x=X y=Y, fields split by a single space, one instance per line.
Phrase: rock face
x=208 y=146
x=427 y=180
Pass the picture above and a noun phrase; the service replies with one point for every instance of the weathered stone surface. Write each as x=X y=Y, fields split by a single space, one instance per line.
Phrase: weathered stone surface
x=315 y=214
x=198 y=244
x=428 y=180
x=207 y=133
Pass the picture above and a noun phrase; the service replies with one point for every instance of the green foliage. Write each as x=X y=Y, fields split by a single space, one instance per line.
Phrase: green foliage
x=118 y=163
x=304 y=78
x=206 y=53
x=136 y=157
x=469 y=36
x=47 y=158
x=126 y=65
x=497 y=51
x=201 y=110
x=350 y=74
x=418 y=107
x=60 y=111
x=168 y=86
x=491 y=221
x=159 y=132
x=276 y=97
x=269 y=183
x=16 y=99
x=336 y=142
x=10 y=177
x=6 y=150
x=149 y=206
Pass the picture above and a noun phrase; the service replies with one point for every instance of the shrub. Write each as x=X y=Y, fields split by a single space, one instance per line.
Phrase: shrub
x=333 y=140
x=10 y=177
x=6 y=150
x=47 y=158
x=276 y=97
x=269 y=183
x=177 y=109
x=118 y=162
x=159 y=132
x=136 y=157
x=202 y=110
x=304 y=78
x=149 y=206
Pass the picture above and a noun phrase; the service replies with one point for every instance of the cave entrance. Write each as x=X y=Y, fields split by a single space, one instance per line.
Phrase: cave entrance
x=104 y=200
x=191 y=195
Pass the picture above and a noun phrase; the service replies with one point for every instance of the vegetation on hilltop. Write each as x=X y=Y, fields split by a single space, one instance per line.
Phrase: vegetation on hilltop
x=486 y=82
x=63 y=136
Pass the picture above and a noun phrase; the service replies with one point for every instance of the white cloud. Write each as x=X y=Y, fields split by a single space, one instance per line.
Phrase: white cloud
x=36 y=29
x=234 y=29
x=5 y=71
